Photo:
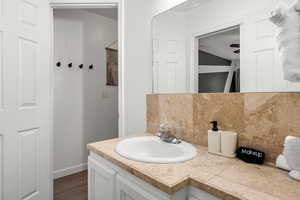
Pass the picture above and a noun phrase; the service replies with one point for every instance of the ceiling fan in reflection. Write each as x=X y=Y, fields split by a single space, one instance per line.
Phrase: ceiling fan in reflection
x=237 y=47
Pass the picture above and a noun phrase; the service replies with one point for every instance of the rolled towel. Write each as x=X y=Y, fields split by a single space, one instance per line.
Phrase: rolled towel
x=291 y=153
x=287 y=19
x=282 y=163
x=289 y=138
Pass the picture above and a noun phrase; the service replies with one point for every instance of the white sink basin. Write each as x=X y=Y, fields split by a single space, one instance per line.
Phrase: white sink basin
x=151 y=149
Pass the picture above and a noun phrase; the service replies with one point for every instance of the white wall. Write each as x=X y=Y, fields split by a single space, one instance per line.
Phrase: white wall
x=85 y=109
x=68 y=101
x=222 y=12
x=137 y=56
x=159 y=6
x=100 y=101
x=138 y=16
x=137 y=64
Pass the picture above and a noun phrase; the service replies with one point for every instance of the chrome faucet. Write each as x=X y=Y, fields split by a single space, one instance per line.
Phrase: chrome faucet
x=164 y=133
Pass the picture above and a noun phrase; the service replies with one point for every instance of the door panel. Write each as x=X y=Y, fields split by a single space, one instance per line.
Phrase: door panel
x=29 y=162
x=169 y=54
x=1 y=69
x=27 y=73
x=25 y=99
x=1 y=7
x=265 y=63
x=258 y=58
x=28 y=12
x=261 y=70
x=264 y=28
x=1 y=166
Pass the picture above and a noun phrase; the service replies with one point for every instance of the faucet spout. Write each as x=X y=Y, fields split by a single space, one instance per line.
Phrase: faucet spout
x=165 y=134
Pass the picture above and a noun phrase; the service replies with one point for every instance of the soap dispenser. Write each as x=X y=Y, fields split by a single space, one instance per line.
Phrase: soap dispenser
x=214 y=138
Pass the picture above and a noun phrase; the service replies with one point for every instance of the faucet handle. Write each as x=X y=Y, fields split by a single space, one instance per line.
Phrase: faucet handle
x=176 y=141
x=164 y=127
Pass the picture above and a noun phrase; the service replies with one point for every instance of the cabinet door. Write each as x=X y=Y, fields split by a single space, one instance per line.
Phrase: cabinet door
x=101 y=181
x=127 y=190
x=196 y=194
x=204 y=197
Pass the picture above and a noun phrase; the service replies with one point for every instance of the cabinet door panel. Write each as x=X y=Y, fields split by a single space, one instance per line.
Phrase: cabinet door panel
x=196 y=194
x=101 y=181
x=127 y=190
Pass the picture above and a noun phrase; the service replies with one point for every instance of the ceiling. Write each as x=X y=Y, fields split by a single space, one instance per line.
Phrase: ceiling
x=105 y=12
x=219 y=44
x=189 y=5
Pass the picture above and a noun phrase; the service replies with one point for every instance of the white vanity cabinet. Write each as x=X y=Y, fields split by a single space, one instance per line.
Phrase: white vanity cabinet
x=101 y=181
x=127 y=190
x=196 y=194
x=110 y=182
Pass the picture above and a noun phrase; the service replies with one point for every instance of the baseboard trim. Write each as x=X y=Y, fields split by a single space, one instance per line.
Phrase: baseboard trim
x=69 y=171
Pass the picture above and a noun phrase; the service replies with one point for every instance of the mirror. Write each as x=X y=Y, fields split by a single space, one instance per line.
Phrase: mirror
x=219 y=46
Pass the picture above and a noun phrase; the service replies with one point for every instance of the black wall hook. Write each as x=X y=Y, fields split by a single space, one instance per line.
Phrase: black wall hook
x=91 y=66
x=80 y=66
x=58 y=64
x=70 y=65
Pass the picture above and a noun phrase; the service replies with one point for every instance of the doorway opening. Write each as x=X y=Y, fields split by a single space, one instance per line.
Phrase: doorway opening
x=219 y=61
x=86 y=91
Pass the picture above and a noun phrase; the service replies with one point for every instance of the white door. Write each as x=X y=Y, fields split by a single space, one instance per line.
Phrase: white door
x=101 y=181
x=24 y=99
x=169 y=52
x=261 y=70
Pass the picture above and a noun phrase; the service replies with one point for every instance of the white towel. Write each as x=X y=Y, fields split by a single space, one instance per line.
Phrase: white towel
x=287 y=19
x=282 y=163
x=289 y=138
x=291 y=153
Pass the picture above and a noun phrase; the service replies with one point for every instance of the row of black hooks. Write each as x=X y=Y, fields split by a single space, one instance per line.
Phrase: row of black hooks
x=70 y=65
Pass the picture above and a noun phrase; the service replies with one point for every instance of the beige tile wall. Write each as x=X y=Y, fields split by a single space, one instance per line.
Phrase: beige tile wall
x=261 y=119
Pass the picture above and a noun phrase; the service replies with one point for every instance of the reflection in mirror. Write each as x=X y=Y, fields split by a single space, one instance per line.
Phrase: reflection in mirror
x=219 y=46
x=219 y=62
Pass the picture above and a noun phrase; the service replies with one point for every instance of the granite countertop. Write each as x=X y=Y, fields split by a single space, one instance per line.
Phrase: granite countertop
x=223 y=177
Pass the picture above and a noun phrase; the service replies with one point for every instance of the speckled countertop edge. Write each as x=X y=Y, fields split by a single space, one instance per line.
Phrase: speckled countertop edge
x=220 y=180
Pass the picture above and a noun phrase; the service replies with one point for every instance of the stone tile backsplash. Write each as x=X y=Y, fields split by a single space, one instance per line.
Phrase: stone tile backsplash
x=262 y=120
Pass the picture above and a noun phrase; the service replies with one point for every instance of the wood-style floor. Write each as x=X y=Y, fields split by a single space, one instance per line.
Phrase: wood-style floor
x=73 y=187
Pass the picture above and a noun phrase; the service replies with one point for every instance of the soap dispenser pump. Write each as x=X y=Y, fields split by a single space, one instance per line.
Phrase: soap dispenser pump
x=215 y=125
x=214 y=138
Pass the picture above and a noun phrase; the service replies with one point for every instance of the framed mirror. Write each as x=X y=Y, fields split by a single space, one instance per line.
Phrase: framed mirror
x=218 y=46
